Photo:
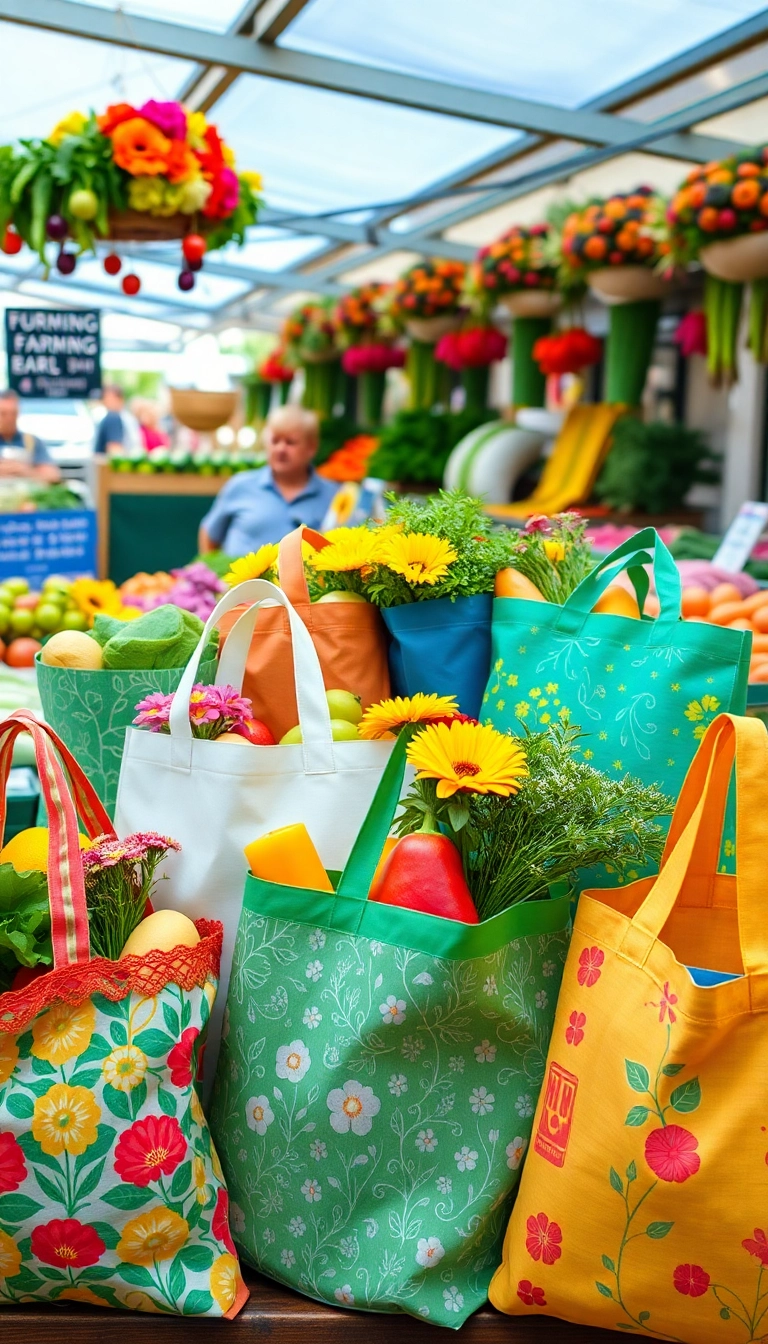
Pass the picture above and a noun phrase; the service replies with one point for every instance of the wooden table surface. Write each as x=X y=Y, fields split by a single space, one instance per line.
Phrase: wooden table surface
x=275 y=1311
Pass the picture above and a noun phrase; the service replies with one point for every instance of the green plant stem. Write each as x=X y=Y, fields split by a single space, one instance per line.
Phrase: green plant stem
x=529 y=384
x=631 y=336
x=758 y=320
x=285 y=392
x=475 y=383
x=421 y=368
x=321 y=386
x=372 y=388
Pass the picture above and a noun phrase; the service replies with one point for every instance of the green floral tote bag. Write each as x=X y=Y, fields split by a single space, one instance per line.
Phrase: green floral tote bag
x=377 y=1080
x=110 y=1188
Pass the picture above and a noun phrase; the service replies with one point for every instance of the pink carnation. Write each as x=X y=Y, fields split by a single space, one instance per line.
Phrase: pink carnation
x=153 y=712
x=170 y=118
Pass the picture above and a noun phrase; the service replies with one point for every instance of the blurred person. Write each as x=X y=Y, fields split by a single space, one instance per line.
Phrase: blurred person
x=148 y=416
x=256 y=507
x=22 y=454
x=119 y=429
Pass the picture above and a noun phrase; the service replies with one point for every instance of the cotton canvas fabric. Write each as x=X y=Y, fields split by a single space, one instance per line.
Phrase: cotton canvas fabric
x=441 y=646
x=641 y=1206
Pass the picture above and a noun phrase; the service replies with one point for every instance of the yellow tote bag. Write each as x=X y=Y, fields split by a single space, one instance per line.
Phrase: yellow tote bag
x=643 y=1205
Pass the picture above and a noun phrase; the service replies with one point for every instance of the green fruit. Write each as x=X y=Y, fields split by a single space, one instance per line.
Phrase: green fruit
x=48 y=616
x=16 y=586
x=21 y=621
x=292 y=737
x=344 y=705
x=5 y=616
x=56 y=584
x=341 y=731
x=7 y=598
x=74 y=620
x=83 y=204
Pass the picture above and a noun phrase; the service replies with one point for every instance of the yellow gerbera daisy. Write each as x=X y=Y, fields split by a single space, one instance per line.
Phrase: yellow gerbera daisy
x=224 y=1281
x=253 y=566
x=468 y=758
x=10 y=1257
x=418 y=556
x=380 y=720
x=94 y=596
x=155 y=1235
x=63 y=1032
x=9 y=1056
x=357 y=549
x=65 y=1119
x=125 y=1067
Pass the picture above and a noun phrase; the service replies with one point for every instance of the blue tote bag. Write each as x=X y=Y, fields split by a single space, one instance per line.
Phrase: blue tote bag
x=441 y=646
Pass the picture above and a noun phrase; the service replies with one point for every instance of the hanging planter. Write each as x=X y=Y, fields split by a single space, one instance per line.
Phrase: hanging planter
x=737 y=259
x=532 y=303
x=310 y=338
x=202 y=411
x=429 y=330
x=471 y=352
x=518 y=271
x=628 y=284
x=276 y=370
x=427 y=300
x=369 y=364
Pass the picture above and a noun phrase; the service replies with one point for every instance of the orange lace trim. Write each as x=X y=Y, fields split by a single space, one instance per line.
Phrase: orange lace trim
x=186 y=967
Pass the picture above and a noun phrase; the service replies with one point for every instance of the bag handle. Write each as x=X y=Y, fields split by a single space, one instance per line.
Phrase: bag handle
x=66 y=884
x=358 y=873
x=707 y=854
x=727 y=737
x=290 y=563
x=644 y=548
x=314 y=715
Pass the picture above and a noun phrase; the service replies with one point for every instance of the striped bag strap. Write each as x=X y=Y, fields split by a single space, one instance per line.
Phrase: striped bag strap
x=61 y=780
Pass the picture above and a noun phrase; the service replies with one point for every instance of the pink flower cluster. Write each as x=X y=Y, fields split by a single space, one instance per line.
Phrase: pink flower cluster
x=106 y=852
x=213 y=710
x=197 y=589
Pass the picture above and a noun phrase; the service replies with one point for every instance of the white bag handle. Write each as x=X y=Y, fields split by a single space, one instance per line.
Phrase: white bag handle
x=314 y=715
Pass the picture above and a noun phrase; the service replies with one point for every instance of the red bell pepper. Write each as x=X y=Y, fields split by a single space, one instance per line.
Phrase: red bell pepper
x=424 y=872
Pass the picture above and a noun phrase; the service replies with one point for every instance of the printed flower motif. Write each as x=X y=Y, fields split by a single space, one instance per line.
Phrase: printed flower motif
x=297 y=1227
x=344 y=1295
x=237 y=1218
x=393 y=1010
x=199 y=1180
x=349 y=1247
x=466 y=1159
x=63 y=1032
x=515 y=1151
x=352 y=1107
x=376 y=947
x=667 y=1000
x=543 y=1239
x=312 y=1018
x=65 y=1119
x=692 y=1280
x=489 y=986
x=389 y=715
x=444 y=1185
x=574 y=1032
x=268 y=1236
x=10 y=1257
x=429 y=1252
x=288 y=1258
x=317 y=940
x=481 y=1101
x=411 y=1048
x=180 y=1058
x=125 y=1067
x=224 y=1281
x=590 y=961
x=318 y=1150
x=151 y=1148
x=468 y=758
x=548 y=968
x=220 y=1221
x=9 y=1056
x=456 y=1064
x=157 y=1234
x=757 y=1245
x=67 y=1243
x=671 y=1153
x=541 y=999
x=485 y=1053
x=83 y=1294
x=314 y=971
x=259 y=1114
x=398 y=1084
x=532 y=1297
x=293 y=1061
x=524 y=1106
x=13 y=1168
x=312 y=1191
x=426 y=1141
x=454 y=1300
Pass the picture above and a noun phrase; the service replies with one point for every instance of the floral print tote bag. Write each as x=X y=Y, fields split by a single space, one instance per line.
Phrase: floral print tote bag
x=110 y=1188
x=376 y=1084
x=642 y=1204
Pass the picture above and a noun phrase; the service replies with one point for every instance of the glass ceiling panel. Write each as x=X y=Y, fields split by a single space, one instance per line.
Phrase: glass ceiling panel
x=271 y=249
x=328 y=151
x=195 y=13
x=556 y=51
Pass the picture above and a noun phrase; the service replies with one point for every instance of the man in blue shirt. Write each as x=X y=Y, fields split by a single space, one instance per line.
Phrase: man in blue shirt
x=22 y=454
x=256 y=507
x=118 y=429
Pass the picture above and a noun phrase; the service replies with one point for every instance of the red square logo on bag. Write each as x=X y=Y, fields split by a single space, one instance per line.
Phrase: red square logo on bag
x=556 y=1116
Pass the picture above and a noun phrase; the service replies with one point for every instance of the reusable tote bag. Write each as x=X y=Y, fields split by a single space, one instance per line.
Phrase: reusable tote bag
x=643 y=691
x=349 y=637
x=110 y=1189
x=376 y=1084
x=441 y=646
x=216 y=798
x=642 y=1205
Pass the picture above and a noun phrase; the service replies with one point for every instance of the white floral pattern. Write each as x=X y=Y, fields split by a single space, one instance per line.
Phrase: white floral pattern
x=515 y=1151
x=292 y=1061
x=393 y=1010
x=258 y=1114
x=429 y=1252
x=352 y=1107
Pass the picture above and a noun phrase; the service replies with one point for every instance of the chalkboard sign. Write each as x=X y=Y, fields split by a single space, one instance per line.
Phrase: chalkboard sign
x=53 y=352
x=35 y=545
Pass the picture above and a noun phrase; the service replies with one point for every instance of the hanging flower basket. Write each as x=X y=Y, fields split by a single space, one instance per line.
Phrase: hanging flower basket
x=136 y=226
x=202 y=411
x=628 y=284
x=429 y=330
x=737 y=259
x=532 y=303
x=427 y=299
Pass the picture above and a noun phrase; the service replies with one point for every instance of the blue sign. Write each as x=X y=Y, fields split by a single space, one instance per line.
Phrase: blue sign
x=35 y=545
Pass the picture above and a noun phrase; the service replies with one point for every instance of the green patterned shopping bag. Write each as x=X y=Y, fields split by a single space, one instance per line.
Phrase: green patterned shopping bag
x=377 y=1080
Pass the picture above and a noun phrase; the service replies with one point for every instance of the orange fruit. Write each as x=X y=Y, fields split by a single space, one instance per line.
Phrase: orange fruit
x=696 y=601
x=616 y=601
x=760 y=619
x=511 y=583
x=724 y=592
x=756 y=600
x=725 y=612
x=740 y=623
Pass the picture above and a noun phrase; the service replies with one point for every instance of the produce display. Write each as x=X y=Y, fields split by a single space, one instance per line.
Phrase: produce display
x=28 y=496
x=165 y=461
x=26 y=617
x=726 y=604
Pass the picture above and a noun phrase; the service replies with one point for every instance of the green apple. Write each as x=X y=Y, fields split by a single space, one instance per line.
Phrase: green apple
x=341 y=731
x=341 y=597
x=5 y=616
x=16 y=586
x=74 y=620
x=21 y=621
x=57 y=585
x=48 y=616
x=7 y=598
x=292 y=738
x=344 y=705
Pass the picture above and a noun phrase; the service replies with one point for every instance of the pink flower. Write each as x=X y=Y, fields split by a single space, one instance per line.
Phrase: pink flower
x=543 y=1239
x=691 y=334
x=691 y=1280
x=538 y=522
x=372 y=358
x=671 y=1153
x=170 y=118
x=667 y=999
x=153 y=712
x=757 y=1246
x=574 y=1032
x=590 y=961
x=532 y=1297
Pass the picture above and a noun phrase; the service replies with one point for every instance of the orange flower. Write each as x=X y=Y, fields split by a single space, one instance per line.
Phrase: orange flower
x=114 y=115
x=182 y=163
x=140 y=148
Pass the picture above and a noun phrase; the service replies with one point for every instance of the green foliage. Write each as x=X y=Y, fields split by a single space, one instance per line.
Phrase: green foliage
x=416 y=445
x=555 y=578
x=25 y=922
x=219 y=563
x=651 y=467
x=334 y=432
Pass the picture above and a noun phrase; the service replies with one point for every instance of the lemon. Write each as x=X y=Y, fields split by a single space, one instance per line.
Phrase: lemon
x=71 y=648
x=162 y=931
x=28 y=851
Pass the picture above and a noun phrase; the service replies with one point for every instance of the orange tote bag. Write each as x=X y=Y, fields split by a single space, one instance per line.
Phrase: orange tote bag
x=643 y=1204
x=349 y=637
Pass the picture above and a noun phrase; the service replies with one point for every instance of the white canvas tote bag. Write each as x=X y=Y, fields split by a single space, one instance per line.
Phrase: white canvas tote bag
x=216 y=798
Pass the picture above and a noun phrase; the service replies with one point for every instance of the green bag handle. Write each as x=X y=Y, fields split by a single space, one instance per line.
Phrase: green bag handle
x=645 y=548
x=355 y=881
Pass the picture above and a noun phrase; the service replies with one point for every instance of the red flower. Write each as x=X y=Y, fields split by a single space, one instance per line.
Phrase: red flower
x=212 y=157
x=273 y=369
x=224 y=196
x=532 y=1297
x=372 y=358
x=691 y=334
x=114 y=116
x=471 y=349
x=691 y=1280
x=667 y=999
x=543 y=1240
x=538 y=522
x=13 y=1168
x=67 y=1243
x=180 y=1058
x=590 y=961
x=567 y=351
x=757 y=1246
x=574 y=1032
x=220 y=1222
x=150 y=1149
x=671 y=1153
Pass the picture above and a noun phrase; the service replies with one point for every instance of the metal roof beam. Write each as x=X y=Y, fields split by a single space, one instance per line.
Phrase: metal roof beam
x=242 y=55
x=272 y=17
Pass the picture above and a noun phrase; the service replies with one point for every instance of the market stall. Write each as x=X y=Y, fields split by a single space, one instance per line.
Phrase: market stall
x=149 y=521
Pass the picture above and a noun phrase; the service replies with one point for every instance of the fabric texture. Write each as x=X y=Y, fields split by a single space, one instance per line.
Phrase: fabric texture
x=377 y=1080
x=441 y=646
x=250 y=511
x=641 y=1205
